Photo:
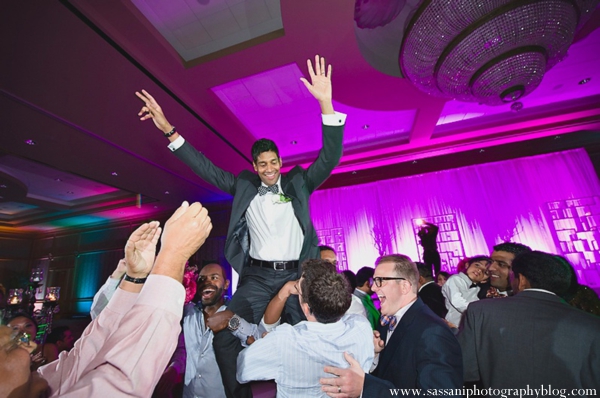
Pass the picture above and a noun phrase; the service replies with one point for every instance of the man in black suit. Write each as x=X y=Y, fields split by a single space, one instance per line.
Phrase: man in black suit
x=430 y=292
x=418 y=352
x=534 y=338
x=270 y=231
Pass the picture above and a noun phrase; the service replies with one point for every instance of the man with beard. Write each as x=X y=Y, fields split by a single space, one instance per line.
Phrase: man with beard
x=194 y=359
x=202 y=375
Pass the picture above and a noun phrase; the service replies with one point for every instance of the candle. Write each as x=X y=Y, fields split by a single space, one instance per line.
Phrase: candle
x=51 y=297
x=14 y=300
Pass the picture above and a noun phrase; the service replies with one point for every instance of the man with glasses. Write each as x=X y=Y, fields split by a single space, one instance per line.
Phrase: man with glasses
x=414 y=347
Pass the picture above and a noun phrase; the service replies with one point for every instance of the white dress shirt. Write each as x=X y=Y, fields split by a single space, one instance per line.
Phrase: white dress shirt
x=458 y=293
x=275 y=233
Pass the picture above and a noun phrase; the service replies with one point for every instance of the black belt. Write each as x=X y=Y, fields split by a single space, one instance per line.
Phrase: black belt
x=276 y=265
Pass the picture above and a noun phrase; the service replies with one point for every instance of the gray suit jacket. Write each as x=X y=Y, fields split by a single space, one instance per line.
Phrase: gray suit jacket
x=299 y=183
x=533 y=338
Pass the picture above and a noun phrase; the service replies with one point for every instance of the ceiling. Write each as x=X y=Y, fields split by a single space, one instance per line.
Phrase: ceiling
x=73 y=152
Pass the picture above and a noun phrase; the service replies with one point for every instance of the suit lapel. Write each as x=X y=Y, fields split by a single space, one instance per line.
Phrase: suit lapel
x=396 y=340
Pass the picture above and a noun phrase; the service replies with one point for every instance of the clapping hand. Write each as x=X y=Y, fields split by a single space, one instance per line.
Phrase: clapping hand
x=140 y=249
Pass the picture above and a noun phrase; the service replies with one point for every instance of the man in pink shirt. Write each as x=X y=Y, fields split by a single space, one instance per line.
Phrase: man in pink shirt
x=124 y=351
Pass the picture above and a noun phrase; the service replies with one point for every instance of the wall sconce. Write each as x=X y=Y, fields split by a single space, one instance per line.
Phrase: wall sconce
x=37 y=275
x=52 y=294
x=15 y=296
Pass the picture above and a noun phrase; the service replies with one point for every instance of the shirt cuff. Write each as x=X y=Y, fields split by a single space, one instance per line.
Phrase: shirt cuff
x=337 y=119
x=268 y=327
x=374 y=364
x=113 y=283
x=163 y=293
x=175 y=145
x=245 y=330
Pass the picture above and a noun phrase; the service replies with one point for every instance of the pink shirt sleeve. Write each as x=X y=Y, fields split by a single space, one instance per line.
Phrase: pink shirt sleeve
x=126 y=349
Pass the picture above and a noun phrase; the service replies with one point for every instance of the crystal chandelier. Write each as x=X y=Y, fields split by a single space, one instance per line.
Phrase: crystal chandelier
x=487 y=51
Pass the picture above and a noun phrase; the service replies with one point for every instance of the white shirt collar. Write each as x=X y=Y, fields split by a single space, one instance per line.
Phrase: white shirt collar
x=425 y=284
x=538 y=290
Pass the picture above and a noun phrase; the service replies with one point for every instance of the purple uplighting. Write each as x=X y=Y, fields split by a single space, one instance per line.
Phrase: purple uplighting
x=476 y=208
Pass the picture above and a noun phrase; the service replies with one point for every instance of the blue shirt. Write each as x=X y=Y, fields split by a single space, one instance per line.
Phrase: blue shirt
x=294 y=356
x=202 y=375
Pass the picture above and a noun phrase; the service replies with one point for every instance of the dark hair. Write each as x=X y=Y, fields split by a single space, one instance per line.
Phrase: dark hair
x=24 y=315
x=543 y=271
x=444 y=274
x=351 y=278
x=478 y=258
x=263 y=145
x=325 y=291
x=223 y=269
x=323 y=248
x=424 y=270
x=363 y=275
x=511 y=247
x=57 y=334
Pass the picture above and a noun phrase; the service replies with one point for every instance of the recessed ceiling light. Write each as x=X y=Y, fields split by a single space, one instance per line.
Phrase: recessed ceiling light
x=481 y=150
x=57 y=180
x=365 y=126
x=30 y=142
x=414 y=162
x=516 y=106
x=354 y=172
x=167 y=192
x=114 y=173
x=585 y=81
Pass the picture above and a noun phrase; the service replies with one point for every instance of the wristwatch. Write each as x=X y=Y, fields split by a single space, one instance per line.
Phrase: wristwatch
x=234 y=323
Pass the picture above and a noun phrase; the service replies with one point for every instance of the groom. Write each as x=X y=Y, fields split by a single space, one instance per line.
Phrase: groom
x=270 y=231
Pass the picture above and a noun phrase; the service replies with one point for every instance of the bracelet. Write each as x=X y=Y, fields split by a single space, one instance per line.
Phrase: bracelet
x=170 y=133
x=134 y=280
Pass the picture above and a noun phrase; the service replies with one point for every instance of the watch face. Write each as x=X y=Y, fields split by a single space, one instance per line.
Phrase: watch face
x=234 y=323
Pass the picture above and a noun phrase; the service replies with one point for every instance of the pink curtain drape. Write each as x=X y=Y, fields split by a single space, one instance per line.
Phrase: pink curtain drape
x=549 y=202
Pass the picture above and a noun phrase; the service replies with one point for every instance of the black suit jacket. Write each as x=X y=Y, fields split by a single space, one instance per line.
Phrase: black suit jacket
x=422 y=353
x=299 y=183
x=533 y=338
x=432 y=296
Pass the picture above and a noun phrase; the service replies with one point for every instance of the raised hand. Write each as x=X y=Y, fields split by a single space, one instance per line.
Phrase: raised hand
x=320 y=83
x=151 y=110
x=140 y=249
x=186 y=231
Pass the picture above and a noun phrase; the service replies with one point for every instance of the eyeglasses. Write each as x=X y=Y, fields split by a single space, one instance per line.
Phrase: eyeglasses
x=378 y=280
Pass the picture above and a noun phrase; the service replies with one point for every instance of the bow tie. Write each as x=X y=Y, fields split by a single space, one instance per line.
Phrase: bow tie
x=390 y=321
x=262 y=190
x=473 y=285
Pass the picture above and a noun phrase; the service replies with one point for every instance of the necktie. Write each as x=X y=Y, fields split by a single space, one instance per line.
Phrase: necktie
x=262 y=190
x=389 y=320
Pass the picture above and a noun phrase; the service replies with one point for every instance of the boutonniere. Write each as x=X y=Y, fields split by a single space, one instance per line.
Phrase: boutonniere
x=280 y=198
